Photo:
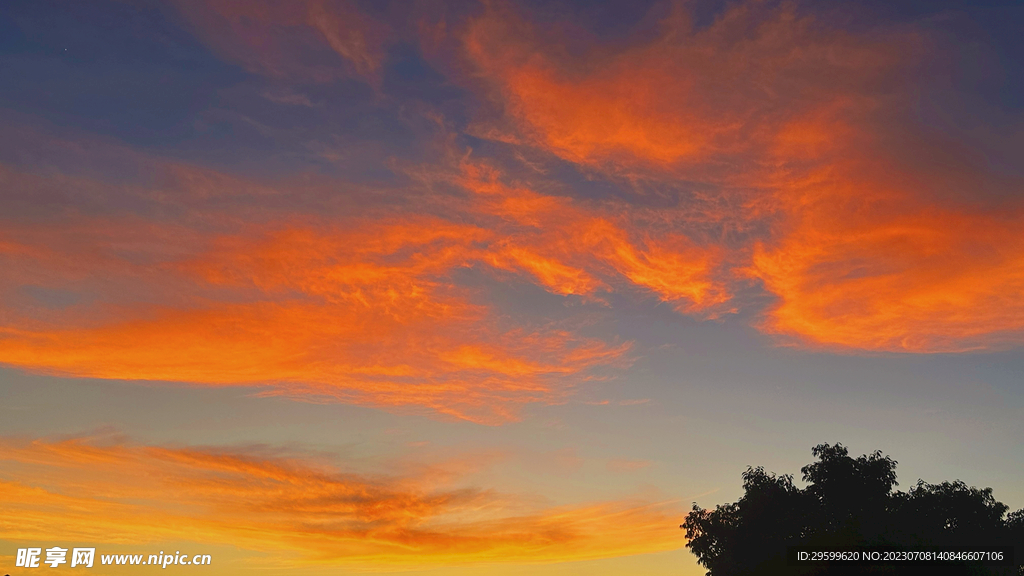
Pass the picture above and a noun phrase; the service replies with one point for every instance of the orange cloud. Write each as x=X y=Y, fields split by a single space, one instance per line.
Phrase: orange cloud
x=571 y=248
x=789 y=127
x=106 y=490
x=363 y=315
x=865 y=264
x=695 y=97
x=361 y=309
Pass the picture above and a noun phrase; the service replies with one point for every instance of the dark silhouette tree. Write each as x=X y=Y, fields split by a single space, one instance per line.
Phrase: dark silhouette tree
x=848 y=503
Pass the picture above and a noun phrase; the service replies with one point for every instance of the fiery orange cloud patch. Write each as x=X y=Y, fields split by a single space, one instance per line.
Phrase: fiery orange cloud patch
x=574 y=249
x=688 y=96
x=908 y=247
x=790 y=123
x=864 y=264
x=363 y=309
x=107 y=490
x=362 y=315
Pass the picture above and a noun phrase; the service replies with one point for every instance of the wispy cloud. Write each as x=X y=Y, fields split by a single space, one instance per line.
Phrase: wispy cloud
x=361 y=314
x=803 y=173
x=798 y=131
x=289 y=40
x=109 y=490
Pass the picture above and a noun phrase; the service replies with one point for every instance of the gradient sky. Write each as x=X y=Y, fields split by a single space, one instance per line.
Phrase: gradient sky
x=329 y=287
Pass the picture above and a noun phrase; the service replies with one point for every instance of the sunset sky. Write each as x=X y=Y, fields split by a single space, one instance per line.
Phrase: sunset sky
x=488 y=287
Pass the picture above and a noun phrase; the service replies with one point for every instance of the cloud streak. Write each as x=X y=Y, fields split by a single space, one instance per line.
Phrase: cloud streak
x=289 y=40
x=105 y=489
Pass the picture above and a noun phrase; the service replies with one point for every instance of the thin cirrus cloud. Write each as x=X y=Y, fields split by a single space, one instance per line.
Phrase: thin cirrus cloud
x=301 y=509
x=798 y=126
x=291 y=40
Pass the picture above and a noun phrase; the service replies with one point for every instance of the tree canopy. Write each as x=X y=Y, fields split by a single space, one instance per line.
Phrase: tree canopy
x=848 y=503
